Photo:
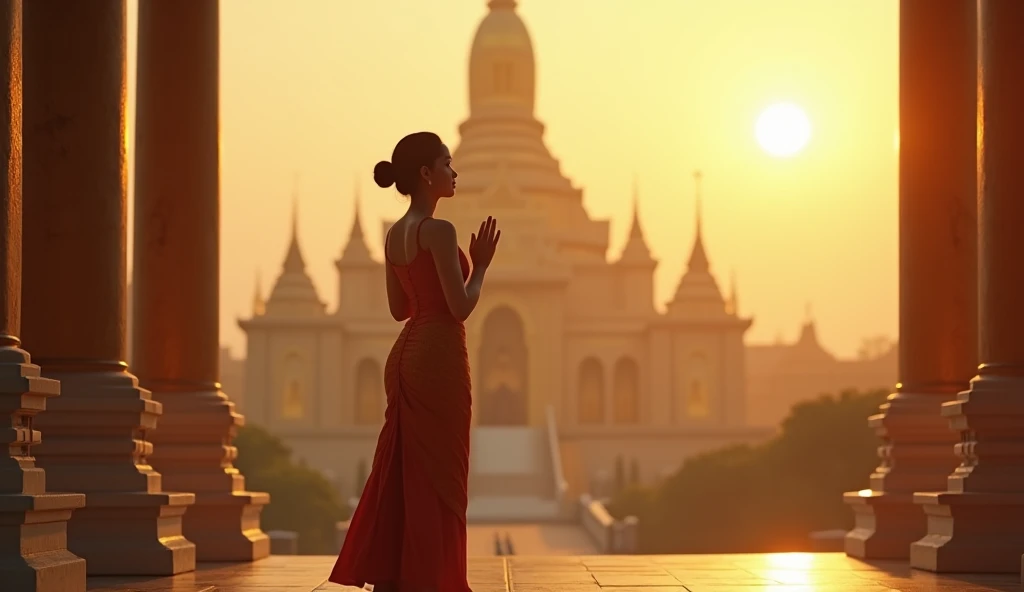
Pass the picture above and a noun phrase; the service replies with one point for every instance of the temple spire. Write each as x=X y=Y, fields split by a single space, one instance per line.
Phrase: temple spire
x=636 y=252
x=356 y=251
x=357 y=226
x=698 y=257
x=635 y=232
x=293 y=261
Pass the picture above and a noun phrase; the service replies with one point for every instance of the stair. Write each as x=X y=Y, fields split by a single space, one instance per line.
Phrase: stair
x=511 y=477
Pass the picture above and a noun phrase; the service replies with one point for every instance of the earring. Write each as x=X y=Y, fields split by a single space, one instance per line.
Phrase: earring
x=429 y=182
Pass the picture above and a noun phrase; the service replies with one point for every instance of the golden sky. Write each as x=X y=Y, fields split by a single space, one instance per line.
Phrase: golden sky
x=324 y=88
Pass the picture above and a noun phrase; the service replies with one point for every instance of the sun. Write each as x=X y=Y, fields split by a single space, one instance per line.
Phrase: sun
x=783 y=130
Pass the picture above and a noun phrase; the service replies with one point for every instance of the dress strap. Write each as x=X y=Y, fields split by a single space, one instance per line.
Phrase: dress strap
x=418 y=247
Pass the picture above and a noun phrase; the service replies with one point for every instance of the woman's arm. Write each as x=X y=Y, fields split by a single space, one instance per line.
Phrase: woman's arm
x=398 y=302
x=441 y=238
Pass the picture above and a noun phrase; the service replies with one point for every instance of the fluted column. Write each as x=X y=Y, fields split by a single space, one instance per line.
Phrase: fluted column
x=975 y=525
x=33 y=523
x=176 y=276
x=74 y=306
x=938 y=271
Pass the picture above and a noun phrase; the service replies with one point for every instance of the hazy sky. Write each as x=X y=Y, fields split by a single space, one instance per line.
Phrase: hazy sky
x=655 y=88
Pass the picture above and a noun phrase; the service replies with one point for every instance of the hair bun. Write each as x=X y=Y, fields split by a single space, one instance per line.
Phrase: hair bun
x=384 y=174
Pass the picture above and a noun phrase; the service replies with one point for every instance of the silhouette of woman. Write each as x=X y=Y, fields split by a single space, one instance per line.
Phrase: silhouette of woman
x=408 y=533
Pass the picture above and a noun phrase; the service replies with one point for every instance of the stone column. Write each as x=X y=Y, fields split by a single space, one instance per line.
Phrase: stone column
x=176 y=277
x=975 y=524
x=938 y=271
x=33 y=523
x=74 y=305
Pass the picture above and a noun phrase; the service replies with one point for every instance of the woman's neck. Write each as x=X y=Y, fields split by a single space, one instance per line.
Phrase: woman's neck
x=423 y=205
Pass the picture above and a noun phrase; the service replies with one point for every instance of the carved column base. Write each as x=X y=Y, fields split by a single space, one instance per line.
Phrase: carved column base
x=34 y=534
x=918 y=455
x=193 y=452
x=128 y=534
x=226 y=527
x=970 y=533
x=95 y=443
x=885 y=524
x=33 y=523
x=975 y=526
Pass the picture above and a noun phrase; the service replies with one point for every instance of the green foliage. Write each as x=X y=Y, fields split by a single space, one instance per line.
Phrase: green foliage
x=763 y=498
x=301 y=500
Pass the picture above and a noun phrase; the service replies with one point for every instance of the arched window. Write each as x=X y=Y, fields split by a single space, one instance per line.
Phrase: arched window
x=370 y=397
x=590 y=392
x=293 y=399
x=626 y=391
x=697 y=398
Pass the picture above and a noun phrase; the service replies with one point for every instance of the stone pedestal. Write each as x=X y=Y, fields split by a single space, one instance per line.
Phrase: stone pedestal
x=976 y=524
x=176 y=349
x=33 y=523
x=938 y=271
x=75 y=282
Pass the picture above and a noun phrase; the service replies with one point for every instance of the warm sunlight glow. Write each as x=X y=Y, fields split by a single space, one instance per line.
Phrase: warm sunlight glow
x=783 y=130
x=790 y=561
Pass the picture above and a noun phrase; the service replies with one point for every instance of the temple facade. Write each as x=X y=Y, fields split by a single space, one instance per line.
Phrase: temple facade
x=573 y=367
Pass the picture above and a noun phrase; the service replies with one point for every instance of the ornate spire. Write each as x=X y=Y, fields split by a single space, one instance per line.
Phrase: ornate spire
x=258 y=305
x=357 y=252
x=293 y=261
x=294 y=292
x=698 y=257
x=357 y=225
x=636 y=251
x=636 y=232
x=809 y=333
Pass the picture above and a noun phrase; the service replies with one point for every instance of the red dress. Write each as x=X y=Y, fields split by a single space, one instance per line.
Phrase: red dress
x=409 y=529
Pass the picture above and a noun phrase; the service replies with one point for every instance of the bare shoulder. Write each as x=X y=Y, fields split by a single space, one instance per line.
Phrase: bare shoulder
x=437 y=232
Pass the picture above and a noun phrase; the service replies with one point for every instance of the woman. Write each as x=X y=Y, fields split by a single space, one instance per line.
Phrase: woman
x=408 y=533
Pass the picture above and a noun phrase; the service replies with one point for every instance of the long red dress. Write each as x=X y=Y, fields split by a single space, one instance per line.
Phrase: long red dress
x=409 y=529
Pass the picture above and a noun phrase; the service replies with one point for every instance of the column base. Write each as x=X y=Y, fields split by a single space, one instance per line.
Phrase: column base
x=885 y=524
x=33 y=523
x=133 y=534
x=193 y=452
x=37 y=525
x=970 y=533
x=95 y=443
x=226 y=527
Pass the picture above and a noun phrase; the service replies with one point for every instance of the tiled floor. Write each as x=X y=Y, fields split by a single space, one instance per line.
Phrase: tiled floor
x=832 y=572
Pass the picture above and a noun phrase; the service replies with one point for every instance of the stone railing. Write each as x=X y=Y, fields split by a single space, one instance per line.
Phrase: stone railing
x=612 y=537
x=561 y=485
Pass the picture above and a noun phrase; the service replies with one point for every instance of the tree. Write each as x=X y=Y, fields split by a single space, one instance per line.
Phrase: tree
x=768 y=497
x=301 y=499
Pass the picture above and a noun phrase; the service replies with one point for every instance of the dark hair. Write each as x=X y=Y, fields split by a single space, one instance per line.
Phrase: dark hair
x=411 y=153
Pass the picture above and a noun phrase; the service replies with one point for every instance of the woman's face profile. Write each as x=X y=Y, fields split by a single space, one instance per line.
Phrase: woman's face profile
x=442 y=175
